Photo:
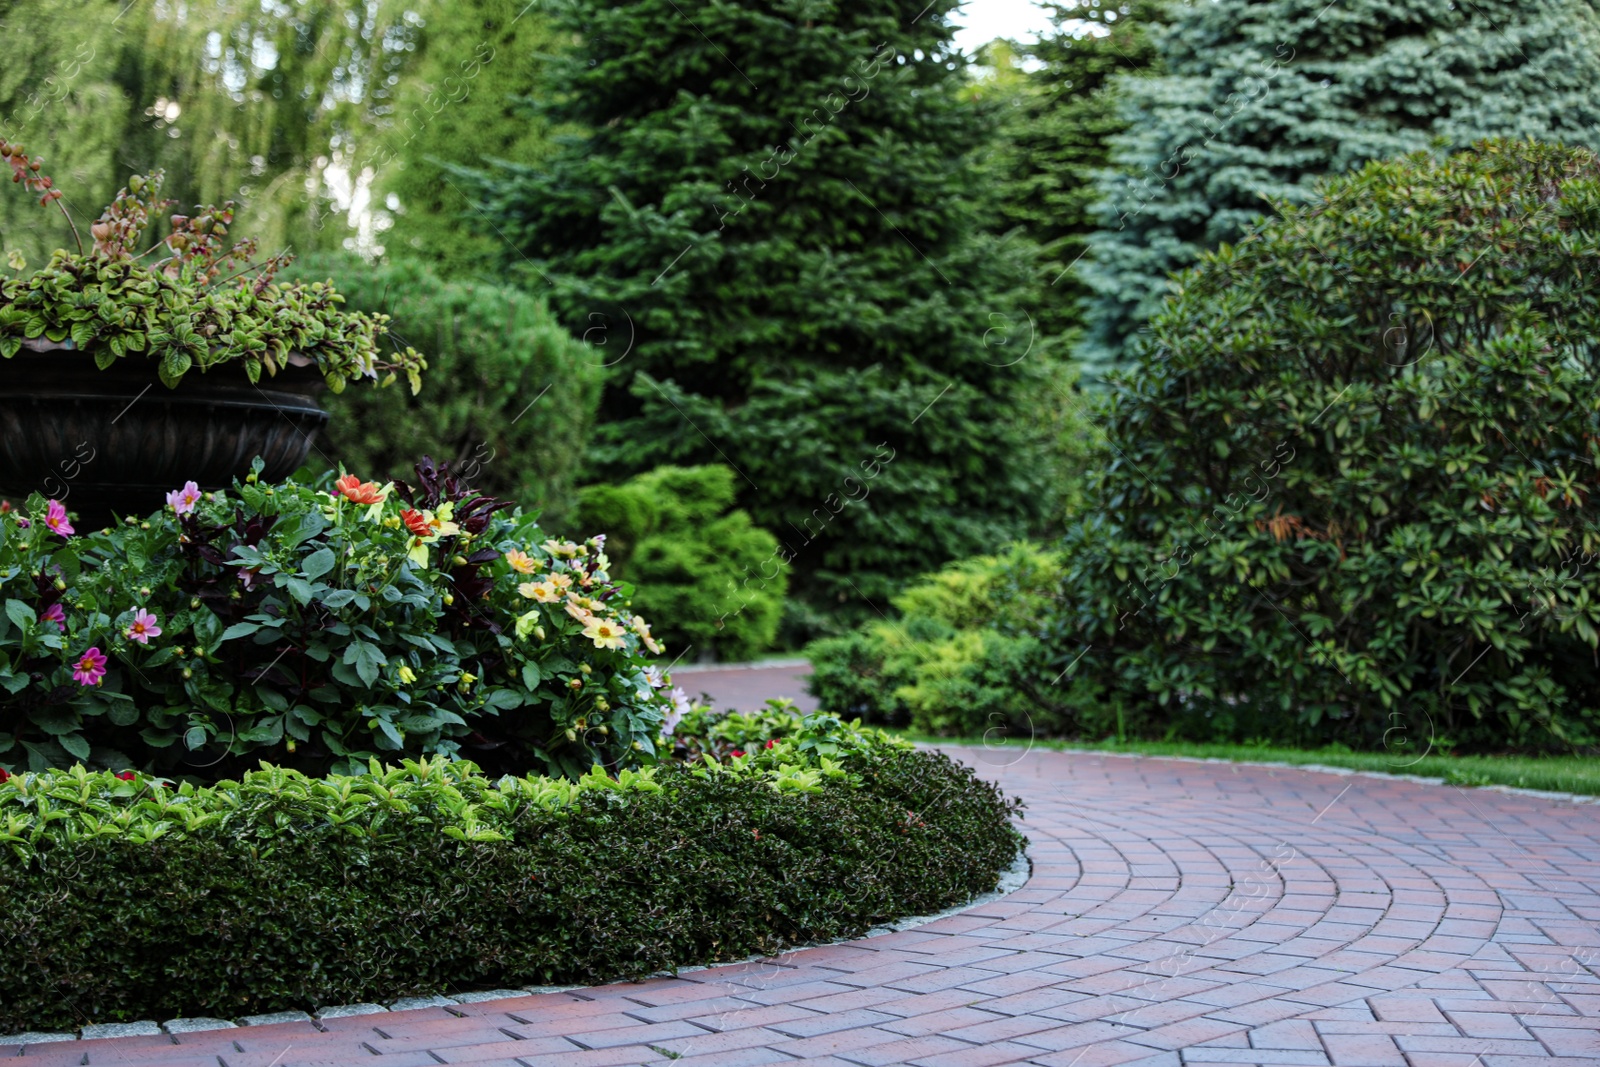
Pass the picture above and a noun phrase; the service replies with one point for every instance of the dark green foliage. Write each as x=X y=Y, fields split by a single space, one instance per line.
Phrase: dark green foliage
x=961 y=659
x=1354 y=482
x=710 y=581
x=1259 y=98
x=778 y=224
x=509 y=398
x=868 y=508
x=297 y=898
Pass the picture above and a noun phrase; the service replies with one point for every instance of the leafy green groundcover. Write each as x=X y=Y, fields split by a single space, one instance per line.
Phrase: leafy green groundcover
x=123 y=898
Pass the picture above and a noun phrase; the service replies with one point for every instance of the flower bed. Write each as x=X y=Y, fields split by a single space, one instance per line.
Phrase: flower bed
x=317 y=627
x=123 y=898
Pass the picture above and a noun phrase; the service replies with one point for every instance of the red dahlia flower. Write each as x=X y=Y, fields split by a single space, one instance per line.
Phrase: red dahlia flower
x=417 y=523
x=358 y=491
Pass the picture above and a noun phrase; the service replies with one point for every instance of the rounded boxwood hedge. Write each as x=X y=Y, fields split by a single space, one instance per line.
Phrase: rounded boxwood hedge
x=123 y=897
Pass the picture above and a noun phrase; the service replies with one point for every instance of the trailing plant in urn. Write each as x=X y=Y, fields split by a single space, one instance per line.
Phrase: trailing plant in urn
x=192 y=300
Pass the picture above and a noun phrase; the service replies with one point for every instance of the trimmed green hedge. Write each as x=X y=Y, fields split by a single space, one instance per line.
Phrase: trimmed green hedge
x=125 y=899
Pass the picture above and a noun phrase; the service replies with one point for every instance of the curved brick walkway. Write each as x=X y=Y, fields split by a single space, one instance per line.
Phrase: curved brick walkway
x=1179 y=913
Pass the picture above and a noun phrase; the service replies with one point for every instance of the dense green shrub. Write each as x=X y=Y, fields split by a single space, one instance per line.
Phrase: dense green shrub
x=708 y=579
x=318 y=630
x=128 y=900
x=509 y=398
x=779 y=205
x=1355 y=482
x=960 y=659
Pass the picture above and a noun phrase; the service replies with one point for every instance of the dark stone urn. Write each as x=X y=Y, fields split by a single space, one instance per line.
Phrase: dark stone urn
x=114 y=442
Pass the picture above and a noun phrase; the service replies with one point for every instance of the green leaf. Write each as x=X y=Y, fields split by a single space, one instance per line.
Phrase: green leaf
x=20 y=613
x=318 y=563
x=367 y=659
x=173 y=367
x=123 y=713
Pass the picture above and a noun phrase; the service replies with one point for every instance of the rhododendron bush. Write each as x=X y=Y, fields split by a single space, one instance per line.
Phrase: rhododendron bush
x=316 y=627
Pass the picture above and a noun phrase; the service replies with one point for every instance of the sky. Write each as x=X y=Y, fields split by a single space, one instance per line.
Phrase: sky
x=981 y=21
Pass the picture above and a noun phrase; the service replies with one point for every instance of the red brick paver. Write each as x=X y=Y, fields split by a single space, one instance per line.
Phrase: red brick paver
x=1178 y=914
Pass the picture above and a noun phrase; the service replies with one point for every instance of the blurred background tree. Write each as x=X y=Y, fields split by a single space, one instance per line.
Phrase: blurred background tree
x=465 y=98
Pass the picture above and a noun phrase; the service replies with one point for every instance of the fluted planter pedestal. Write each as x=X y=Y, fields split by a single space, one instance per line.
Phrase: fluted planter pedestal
x=113 y=442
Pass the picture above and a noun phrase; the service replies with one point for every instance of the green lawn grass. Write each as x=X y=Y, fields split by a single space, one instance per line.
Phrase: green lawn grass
x=1563 y=774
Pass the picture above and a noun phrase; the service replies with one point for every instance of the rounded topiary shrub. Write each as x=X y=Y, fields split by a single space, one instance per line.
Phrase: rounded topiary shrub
x=1353 y=485
x=962 y=657
x=710 y=581
x=509 y=398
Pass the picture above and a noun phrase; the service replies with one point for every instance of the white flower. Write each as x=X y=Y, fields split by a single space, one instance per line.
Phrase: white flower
x=654 y=676
x=680 y=707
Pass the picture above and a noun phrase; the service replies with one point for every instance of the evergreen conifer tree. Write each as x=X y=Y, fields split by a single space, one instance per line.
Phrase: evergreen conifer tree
x=1060 y=119
x=1261 y=97
x=775 y=233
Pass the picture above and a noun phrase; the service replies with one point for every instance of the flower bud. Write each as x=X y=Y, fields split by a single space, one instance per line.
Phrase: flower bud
x=194 y=602
x=576 y=683
x=187 y=674
x=585 y=668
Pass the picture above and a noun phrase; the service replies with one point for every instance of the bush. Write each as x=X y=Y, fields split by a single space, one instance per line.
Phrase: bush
x=509 y=397
x=708 y=578
x=318 y=630
x=281 y=892
x=1355 y=483
x=961 y=659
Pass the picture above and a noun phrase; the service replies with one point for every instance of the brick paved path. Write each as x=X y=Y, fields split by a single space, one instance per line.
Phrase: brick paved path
x=738 y=687
x=1179 y=913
